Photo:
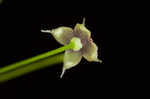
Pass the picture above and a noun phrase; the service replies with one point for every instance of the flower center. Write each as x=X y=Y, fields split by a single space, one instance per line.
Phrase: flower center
x=76 y=42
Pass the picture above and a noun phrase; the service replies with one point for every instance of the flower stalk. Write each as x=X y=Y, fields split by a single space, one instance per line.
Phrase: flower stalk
x=35 y=63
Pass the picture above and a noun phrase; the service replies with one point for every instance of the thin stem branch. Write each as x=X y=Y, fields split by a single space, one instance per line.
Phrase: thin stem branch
x=32 y=64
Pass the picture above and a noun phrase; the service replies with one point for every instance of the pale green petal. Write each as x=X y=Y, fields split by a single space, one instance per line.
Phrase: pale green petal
x=62 y=34
x=71 y=59
x=81 y=31
x=91 y=52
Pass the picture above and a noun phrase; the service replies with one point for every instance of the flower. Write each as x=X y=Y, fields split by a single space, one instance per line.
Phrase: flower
x=85 y=47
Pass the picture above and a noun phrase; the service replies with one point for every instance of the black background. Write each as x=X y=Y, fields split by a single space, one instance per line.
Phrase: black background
x=20 y=38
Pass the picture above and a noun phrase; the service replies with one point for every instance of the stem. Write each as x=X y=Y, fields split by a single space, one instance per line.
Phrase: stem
x=32 y=64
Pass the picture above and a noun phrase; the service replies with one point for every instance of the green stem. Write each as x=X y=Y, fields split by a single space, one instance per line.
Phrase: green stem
x=37 y=62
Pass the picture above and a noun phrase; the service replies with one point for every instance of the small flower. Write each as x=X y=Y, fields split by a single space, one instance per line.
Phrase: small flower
x=85 y=47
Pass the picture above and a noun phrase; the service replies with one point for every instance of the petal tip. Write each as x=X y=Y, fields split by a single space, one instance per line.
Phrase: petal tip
x=63 y=71
x=83 y=21
x=98 y=60
x=46 y=31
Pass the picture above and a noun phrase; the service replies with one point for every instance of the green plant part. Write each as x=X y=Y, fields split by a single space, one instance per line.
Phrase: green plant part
x=37 y=62
x=84 y=45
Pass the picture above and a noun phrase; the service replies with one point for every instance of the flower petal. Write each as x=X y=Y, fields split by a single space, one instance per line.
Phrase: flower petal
x=91 y=52
x=62 y=34
x=71 y=59
x=81 y=31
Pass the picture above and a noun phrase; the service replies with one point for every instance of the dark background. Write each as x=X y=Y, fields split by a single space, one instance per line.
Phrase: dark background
x=20 y=38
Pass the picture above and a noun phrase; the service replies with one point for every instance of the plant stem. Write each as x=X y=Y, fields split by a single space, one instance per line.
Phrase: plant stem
x=32 y=64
